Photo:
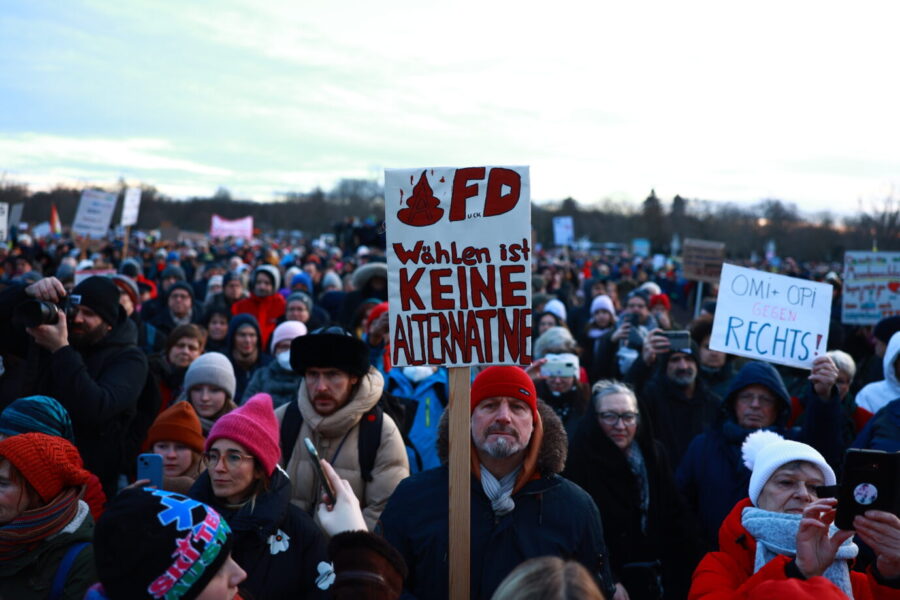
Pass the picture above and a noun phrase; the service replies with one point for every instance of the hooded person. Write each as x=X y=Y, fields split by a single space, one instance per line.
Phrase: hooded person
x=712 y=475
x=521 y=507
x=369 y=281
x=264 y=302
x=877 y=395
x=246 y=350
x=882 y=431
x=278 y=378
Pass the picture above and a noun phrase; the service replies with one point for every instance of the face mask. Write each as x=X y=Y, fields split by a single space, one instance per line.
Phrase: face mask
x=417 y=374
x=284 y=359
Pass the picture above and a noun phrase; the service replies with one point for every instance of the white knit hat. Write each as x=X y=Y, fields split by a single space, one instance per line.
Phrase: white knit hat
x=603 y=302
x=556 y=307
x=287 y=331
x=765 y=452
x=211 y=368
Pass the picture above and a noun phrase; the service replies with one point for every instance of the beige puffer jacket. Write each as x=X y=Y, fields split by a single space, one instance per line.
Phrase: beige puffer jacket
x=336 y=439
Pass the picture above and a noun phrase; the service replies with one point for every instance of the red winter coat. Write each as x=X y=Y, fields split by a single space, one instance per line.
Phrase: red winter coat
x=267 y=311
x=728 y=574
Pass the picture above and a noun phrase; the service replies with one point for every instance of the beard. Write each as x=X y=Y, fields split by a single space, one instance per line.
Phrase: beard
x=84 y=337
x=501 y=447
x=684 y=377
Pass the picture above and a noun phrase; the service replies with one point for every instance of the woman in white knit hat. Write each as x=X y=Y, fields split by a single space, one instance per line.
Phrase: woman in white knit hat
x=783 y=530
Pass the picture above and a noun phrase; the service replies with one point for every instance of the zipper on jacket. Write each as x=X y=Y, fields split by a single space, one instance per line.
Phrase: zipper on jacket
x=428 y=411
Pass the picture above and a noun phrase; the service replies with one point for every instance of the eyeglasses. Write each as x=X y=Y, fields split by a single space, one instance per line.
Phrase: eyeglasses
x=232 y=459
x=611 y=418
x=749 y=397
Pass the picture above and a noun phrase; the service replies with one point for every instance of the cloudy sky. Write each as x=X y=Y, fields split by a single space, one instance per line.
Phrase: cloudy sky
x=716 y=100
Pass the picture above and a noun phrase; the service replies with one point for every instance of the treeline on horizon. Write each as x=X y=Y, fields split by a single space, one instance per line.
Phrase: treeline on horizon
x=744 y=229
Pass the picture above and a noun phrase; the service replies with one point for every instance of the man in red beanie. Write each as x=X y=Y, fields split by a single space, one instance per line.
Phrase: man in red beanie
x=521 y=507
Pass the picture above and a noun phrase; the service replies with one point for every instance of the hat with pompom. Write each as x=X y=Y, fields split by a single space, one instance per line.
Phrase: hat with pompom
x=764 y=452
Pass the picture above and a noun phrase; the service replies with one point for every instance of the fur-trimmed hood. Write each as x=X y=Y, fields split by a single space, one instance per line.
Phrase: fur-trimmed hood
x=552 y=456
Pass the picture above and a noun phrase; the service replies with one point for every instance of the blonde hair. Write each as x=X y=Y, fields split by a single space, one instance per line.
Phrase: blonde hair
x=548 y=578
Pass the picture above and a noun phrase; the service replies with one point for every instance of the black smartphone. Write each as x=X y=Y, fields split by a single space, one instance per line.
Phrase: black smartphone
x=150 y=466
x=678 y=340
x=326 y=483
x=870 y=480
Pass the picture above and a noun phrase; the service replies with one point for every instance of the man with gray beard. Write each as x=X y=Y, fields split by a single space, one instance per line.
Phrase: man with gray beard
x=521 y=507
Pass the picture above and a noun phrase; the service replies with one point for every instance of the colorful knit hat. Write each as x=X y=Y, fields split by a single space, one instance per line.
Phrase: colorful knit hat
x=504 y=380
x=254 y=426
x=47 y=462
x=764 y=452
x=211 y=368
x=152 y=543
x=178 y=423
x=36 y=414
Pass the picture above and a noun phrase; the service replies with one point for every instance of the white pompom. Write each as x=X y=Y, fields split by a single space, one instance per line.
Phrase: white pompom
x=755 y=442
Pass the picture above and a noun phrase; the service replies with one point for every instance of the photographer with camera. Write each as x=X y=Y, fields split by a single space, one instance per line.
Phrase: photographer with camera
x=614 y=358
x=81 y=350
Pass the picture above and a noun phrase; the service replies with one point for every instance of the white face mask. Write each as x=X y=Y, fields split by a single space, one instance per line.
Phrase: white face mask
x=284 y=359
x=417 y=374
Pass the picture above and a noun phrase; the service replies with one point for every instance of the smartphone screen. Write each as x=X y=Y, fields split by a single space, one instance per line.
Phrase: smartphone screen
x=150 y=466
x=869 y=482
x=326 y=483
x=678 y=340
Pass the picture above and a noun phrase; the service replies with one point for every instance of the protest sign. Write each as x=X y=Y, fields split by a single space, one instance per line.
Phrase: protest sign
x=702 y=260
x=640 y=247
x=770 y=317
x=563 y=231
x=42 y=230
x=458 y=254
x=15 y=214
x=223 y=228
x=95 y=210
x=871 y=289
x=4 y=221
x=131 y=206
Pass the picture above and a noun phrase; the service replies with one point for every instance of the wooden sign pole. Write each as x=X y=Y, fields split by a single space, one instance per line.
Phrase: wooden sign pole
x=460 y=482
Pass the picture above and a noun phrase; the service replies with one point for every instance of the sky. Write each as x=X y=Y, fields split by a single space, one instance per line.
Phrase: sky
x=721 y=101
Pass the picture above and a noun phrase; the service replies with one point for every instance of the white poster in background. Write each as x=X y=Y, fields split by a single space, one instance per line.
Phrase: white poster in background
x=770 y=317
x=223 y=228
x=82 y=275
x=563 y=231
x=4 y=221
x=131 y=206
x=15 y=214
x=95 y=210
x=459 y=265
x=871 y=287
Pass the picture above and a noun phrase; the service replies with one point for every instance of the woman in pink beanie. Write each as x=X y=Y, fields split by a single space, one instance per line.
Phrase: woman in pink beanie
x=276 y=543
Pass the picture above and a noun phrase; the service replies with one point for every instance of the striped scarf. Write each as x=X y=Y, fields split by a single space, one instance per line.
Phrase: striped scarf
x=28 y=530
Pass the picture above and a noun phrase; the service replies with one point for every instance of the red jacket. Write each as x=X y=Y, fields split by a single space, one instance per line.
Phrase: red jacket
x=728 y=574
x=267 y=311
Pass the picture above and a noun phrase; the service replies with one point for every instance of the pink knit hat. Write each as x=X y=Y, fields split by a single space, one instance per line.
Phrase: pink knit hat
x=254 y=426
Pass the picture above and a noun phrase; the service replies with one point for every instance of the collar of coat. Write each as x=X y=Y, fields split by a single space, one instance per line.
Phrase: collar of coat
x=339 y=422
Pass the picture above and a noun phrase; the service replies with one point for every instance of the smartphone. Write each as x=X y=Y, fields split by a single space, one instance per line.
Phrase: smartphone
x=559 y=368
x=150 y=466
x=326 y=483
x=870 y=480
x=678 y=340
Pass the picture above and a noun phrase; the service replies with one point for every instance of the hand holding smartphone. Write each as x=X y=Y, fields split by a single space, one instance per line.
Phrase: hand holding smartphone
x=150 y=466
x=326 y=483
x=870 y=481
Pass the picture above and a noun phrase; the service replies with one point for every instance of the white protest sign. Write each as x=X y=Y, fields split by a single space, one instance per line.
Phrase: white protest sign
x=563 y=231
x=4 y=221
x=871 y=287
x=94 y=213
x=42 y=230
x=15 y=214
x=223 y=228
x=770 y=317
x=459 y=270
x=131 y=206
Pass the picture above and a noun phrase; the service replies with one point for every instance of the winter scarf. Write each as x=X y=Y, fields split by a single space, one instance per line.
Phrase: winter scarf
x=776 y=533
x=28 y=530
x=499 y=492
x=638 y=466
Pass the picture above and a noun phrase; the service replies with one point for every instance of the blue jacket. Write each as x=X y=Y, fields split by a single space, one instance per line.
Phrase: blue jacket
x=430 y=395
x=882 y=432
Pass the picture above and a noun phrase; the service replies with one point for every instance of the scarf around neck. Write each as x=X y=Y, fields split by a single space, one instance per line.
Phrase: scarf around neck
x=499 y=491
x=28 y=530
x=776 y=533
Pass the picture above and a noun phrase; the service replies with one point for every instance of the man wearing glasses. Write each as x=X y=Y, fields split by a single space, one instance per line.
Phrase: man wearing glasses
x=712 y=475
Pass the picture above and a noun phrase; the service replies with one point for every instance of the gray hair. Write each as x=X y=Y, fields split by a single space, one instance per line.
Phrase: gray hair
x=608 y=387
x=843 y=361
x=556 y=340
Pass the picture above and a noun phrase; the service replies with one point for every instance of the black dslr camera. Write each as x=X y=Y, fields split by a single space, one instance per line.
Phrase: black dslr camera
x=33 y=313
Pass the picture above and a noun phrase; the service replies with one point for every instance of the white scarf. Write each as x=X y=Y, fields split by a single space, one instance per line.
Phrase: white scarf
x=499 y=492
x=776 y=533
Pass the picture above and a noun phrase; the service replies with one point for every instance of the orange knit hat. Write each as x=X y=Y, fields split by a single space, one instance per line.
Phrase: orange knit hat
x=178 y=423
x=48 y=463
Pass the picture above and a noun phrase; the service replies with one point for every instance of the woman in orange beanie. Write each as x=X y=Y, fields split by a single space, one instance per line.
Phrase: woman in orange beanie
x=177 y=436
x=45 y=527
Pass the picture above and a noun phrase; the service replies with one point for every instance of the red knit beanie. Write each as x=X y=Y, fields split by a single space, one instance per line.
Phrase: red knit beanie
x=660 y=299
x=47 y=462
x=376 y=311
x=178 y=423
x=254 y=426
x=504 y=380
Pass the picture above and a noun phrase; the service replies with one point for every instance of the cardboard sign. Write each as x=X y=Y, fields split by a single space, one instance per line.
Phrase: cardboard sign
x=95 y=210
x=770 y=317
x=702 y=260
x=871 y=287
x=223 y=228
x=4 y=221
x=459 y=265
x=563 y=231
x=131 y=206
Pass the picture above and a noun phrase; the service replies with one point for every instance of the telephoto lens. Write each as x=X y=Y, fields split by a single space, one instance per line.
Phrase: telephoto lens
x=33 y=313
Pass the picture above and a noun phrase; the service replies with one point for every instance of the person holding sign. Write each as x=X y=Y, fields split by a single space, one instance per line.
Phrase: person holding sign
x=521 y=507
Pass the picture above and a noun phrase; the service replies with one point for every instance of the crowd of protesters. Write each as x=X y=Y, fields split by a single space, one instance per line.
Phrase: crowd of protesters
x=613 y=466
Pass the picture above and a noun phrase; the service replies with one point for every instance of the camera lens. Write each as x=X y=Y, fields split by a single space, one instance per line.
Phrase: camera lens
x=33 y=313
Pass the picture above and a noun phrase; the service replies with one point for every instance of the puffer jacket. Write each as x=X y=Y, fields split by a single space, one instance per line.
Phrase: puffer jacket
x=336 y=438
x=728 y=574
x=552 y=517
x=266 y=309
x=30 y=577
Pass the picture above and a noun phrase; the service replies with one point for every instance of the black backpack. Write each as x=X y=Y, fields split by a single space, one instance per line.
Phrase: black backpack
x=401 y=411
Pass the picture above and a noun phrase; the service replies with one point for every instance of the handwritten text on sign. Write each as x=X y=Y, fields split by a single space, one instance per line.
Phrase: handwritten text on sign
x=459 y=272
x=771 y=317
x=871 y=287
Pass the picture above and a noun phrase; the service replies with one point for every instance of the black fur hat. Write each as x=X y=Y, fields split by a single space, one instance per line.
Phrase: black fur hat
x=330 y=347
